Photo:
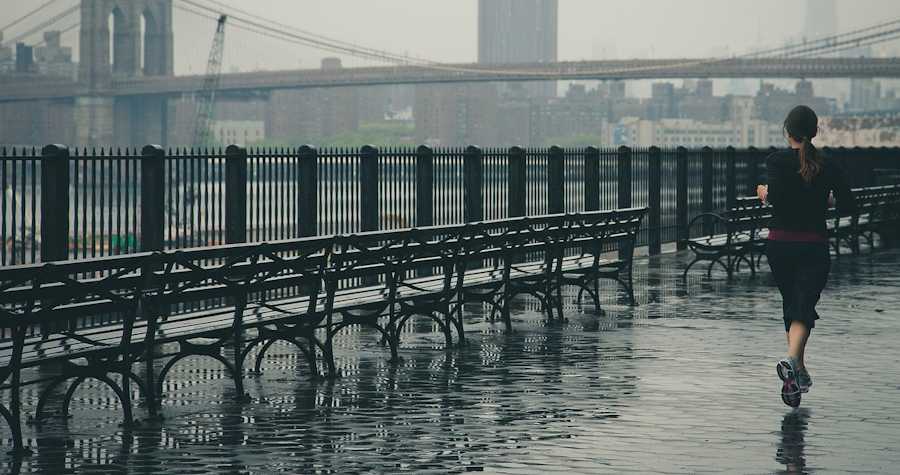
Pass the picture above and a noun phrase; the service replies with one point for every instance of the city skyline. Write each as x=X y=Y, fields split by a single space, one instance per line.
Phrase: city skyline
x=508 y=31
x=448 y=31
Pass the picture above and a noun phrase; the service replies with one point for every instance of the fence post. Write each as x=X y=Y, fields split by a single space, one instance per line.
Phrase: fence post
x=368 y=188
x=871 y=165
x=681 y=198
x=753 y=173
x=592 y=179
x=706 y=163
x=556 y=203
x=472 y=189
x=624 y=177
x=623 y=174
x=895 y=155
x=424 y=186
x=307 y=206
x=516 y=176
x=153 y=198
x=654 y=184
x=54 y=203
x=840 y=156
x=235 y=194
x=730 y=178
x=153 y=217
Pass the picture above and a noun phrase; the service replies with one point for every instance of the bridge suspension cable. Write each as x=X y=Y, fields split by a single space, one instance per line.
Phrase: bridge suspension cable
x=277 y=30
x=381 y=53
x=289 y=34
x=61 y=32
x=27 y=15
x=851 y=43
x=855 y=45
x=44 y=25
x=825 y=42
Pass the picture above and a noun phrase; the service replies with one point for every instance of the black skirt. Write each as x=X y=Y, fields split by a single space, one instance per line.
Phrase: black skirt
x=801 y=271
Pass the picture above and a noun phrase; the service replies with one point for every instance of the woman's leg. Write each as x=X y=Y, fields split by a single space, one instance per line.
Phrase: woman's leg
x=809 y=280
x=797 y=338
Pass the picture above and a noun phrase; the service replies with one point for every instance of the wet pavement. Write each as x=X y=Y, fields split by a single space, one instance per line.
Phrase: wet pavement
x=683 y=383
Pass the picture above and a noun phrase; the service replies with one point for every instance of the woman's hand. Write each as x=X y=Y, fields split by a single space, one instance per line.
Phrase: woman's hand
x=762 y=191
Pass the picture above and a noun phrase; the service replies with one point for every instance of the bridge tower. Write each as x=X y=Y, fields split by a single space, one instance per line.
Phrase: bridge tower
x=122 y=39
x=132 y=52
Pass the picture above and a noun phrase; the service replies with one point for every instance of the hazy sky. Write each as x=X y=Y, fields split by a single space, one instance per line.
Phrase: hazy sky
x=445 y=30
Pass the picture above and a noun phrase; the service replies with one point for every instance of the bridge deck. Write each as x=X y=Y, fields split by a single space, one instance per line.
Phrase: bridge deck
x=456 y=73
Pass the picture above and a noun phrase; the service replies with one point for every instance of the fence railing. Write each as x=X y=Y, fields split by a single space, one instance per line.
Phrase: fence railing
x=72 y=204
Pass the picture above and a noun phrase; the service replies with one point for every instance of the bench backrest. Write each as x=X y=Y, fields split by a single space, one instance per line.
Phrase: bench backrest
x=55 y=297
x=63 y=297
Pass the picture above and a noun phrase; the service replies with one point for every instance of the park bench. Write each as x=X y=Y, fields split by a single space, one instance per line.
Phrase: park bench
x=97 y=318
x=878 y=212
x=730 y=237
x=739 y=234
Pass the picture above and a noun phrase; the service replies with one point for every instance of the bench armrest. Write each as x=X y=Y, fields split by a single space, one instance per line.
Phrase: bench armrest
x=716 y=218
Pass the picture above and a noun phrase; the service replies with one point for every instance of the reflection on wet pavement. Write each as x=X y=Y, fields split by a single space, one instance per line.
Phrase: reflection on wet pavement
x=682 y=383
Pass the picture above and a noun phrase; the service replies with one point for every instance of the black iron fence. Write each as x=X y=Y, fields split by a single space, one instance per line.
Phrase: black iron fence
x=71 y=204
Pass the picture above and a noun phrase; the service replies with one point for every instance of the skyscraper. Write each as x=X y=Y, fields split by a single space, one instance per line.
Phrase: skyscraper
x=821 y=19
x=518 y=31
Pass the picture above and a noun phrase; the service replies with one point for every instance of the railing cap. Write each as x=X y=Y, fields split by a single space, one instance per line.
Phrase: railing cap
x=368 y=150
x=54 y=150
x=307 y=150
x=235 y=150
x=152 y=151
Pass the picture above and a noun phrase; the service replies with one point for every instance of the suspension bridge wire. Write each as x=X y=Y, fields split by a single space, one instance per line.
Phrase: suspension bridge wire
x=277 y=33
x=258 y=30
x=405 y=57
x=826 y=42
x=855 y=45
x=269 y=30
x=273 y=30
x=27 y=15
x=852 y=42
x=61 y=32
x=45 y=25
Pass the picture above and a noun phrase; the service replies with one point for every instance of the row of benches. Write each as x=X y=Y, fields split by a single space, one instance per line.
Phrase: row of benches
x=97 y=318
x=739 y=234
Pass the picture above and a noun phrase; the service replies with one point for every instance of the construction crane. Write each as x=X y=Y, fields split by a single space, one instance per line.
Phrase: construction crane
x=206 y=99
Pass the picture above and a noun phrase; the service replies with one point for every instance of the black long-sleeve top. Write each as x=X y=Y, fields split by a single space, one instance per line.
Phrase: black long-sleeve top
x=801 y=206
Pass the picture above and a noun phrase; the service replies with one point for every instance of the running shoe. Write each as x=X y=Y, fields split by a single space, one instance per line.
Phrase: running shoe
x=790 y=389
x=804 y=380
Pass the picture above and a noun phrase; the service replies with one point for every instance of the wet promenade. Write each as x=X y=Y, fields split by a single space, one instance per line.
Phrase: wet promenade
x=683 y=383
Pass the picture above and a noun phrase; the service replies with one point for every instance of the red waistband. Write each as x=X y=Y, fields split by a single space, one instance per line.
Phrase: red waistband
x=795 y=236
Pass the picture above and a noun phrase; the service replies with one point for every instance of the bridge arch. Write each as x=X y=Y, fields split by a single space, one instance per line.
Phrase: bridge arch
x=125 y=39
x=121 y=41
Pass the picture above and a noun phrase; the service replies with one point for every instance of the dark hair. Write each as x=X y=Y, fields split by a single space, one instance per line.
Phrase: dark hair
x=802 y=124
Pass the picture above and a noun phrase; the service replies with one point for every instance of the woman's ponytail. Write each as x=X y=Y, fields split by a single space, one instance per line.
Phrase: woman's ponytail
x=810 y=166
x=802 y=125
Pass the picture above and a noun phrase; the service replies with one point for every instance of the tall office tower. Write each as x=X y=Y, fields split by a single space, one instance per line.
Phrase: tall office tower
x=821 y=22
x=519 y=31
x=821 y=19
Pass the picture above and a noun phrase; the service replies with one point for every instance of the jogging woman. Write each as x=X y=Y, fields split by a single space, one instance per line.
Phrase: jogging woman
x=801 y=183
